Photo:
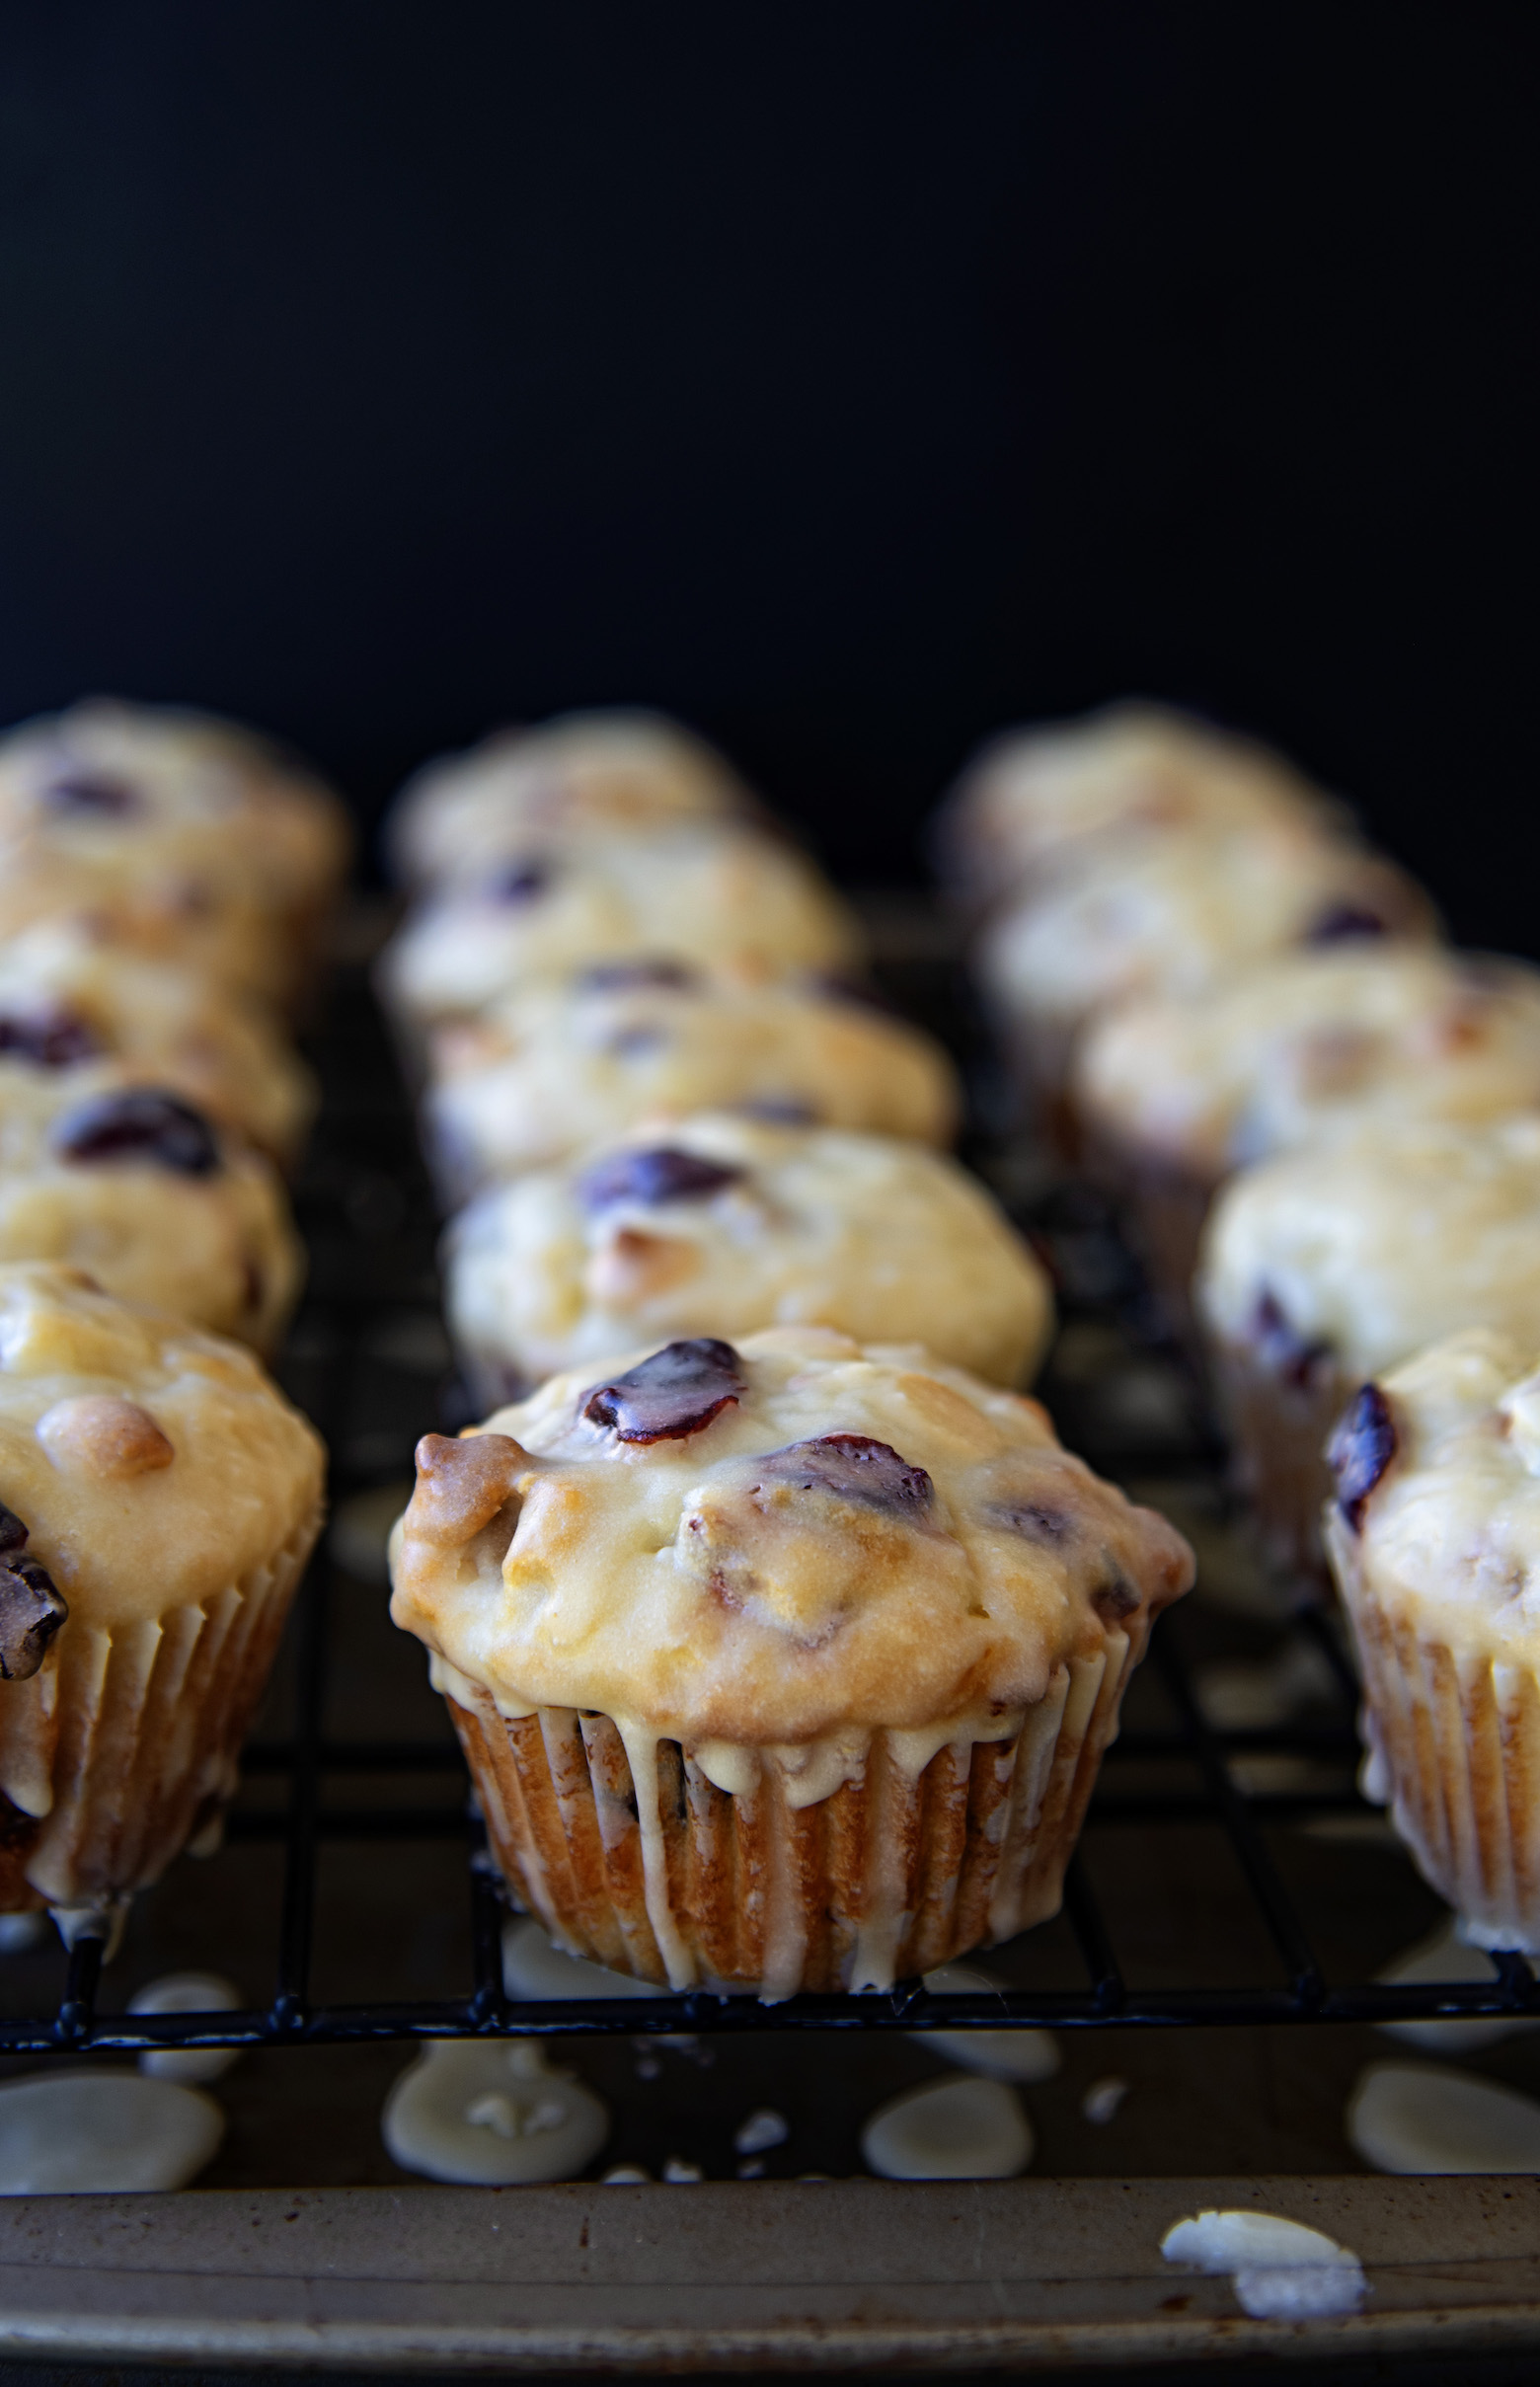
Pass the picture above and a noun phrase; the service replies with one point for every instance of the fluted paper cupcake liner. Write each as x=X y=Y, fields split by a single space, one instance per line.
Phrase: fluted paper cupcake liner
x=631 y=1854
x=125 y=1750
x=1453 y=1738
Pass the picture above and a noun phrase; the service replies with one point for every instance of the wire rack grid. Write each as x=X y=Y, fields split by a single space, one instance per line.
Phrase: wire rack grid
x=365 y=1162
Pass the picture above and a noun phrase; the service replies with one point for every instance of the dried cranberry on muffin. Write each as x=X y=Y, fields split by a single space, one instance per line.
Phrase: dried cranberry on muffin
x=563 y=1065
x=158 y=1500
x=581 y=775
x=1170 y=1096
x=1326 y=1266
x=138 y=1185
x=1177 y=916
x=788 y=1663
x=73 y=1006
x=178 y=796
x=711 y=896
x=721 y=1224
x=1434 y=1540
x=1130 y=773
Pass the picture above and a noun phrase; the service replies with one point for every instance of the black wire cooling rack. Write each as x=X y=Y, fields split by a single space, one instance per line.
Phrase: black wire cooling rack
x=367 y=1217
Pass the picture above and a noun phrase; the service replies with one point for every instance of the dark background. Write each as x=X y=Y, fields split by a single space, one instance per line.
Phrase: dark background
x=852 y=380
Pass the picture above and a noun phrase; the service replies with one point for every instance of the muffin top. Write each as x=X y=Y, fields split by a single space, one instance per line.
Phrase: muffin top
x=581 y=775
x=1132 y=770
x=1315 y=1046
x=561 y=1064
x=151 y=786
x=720 y=1224
x=1437 y=1472
x=72 y=1005
x=1365 y=1251
x=137 y=1185
x=143 y=1464
x=1180 y=914
x=693 y=895
x=771 y=1543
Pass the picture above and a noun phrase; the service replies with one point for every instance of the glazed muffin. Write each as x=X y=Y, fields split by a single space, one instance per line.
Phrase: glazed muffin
x=786 y=1666
x=134 y=1184
x=1433 y=1536
x=158 y=1500
x=1133 y=773
x=583 y=775
x=167 y=794
x=1175 y=916
x=719 y=1224
x=562 y=1065
x=712 y=898
x=1169 y=1096
x=1322 y=1268
x=69 y=1004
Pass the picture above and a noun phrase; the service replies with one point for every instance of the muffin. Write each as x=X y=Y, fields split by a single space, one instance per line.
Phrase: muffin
x=564 y=1064
x=1322 y=1268
x=155 y=910
x=720 y=1224
x=70 y=1005
x=159 y=1499
x=1169 y=1096
x=1175 y=916
x=583 y=775
x=137 y=1185
x=1133 y=773
x=787 y=1665
x=156 y=790
x=1432 y=1535
x=703 y=895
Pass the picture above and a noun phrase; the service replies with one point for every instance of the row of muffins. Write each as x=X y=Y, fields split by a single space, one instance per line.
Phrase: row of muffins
x=781 y=1636
x=1322 y=1127
x=167 y=884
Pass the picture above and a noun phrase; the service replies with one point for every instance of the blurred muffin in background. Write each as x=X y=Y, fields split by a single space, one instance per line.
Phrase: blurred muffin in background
x=1175 y=916
x=1128 y=775
x=1169 y=1096
x=581 y=775
x=719 y=1225
x=562 y=1065
x=702 y=894
x=178 y=798
x=1325 y=1266
x=70 y=1005
x=134 y=1185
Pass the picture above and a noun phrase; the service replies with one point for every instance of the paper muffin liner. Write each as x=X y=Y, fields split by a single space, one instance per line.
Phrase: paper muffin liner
x=1279 y=1433
x=843 y=1864
x=124 y=1751
x=1454 y=1741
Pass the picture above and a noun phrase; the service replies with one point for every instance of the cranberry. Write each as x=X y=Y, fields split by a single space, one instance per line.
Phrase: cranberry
x=1283 y=1349
x=1034 y=1521
x=619 y=978
x=1115 y=1598
x=49 y=1039
x=779 y=1110
x=1361 y=1450
x=1341 y=923
x=522 y=881
x=92 y=792
x=32 y=1608
x=854 y=1467
x=652 y=1177
x=675 y=1392
x=141 y=1124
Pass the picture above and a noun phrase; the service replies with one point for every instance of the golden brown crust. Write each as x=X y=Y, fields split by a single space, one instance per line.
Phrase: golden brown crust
x=460 y=1486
